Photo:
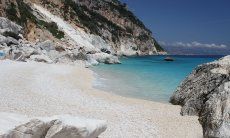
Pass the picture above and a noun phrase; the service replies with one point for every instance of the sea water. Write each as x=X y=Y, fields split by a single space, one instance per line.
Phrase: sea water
x=147 y=77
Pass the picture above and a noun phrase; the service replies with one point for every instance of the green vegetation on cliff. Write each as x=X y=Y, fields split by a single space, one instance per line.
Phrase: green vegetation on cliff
x=158 y=47
x=123 y=11
x=109 y=19
x=90 y=19
x=22 y=14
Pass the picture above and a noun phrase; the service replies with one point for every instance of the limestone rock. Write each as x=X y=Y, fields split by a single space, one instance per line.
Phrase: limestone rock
x=8 y=40
x=81 y=56
x=19 y=56
x=104 y=58
x=47 y=51
x=41 y=58
x=8 y=26
x=33 y=129
x=206 y=93
x=11 y=41
x=46 y=45
x=75 y=127
x=2 y=39
x=28 y=50
x=65 y=126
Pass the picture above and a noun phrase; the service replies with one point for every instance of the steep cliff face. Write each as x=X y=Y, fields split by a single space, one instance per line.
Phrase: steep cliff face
x=123 y=27
x=108 y=20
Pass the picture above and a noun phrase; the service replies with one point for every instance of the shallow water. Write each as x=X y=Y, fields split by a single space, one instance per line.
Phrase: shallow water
x=148 y=77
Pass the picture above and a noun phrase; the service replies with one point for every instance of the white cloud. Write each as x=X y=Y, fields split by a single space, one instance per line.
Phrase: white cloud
x=194 y=44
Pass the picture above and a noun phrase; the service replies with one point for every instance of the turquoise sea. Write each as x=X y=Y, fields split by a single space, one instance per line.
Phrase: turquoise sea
x=147 y=77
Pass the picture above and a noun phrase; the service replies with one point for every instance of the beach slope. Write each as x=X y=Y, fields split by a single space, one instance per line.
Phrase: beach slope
x=38 y=89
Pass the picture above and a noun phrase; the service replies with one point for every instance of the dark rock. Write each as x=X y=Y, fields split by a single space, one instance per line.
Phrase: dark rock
x=81 y=56
x=59 y=49
x=105 y=50
x=19 y=56
x=169 y=59
x=8 y=40
x=11 y=34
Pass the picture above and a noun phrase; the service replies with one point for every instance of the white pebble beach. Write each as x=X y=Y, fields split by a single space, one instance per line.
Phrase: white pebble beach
x=39 y=89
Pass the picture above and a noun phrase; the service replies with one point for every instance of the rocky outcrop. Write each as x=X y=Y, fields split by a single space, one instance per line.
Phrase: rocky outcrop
x=65 y=126
x=8 y=26
x=206 y=93
x=99 y=23
x=48 y=51
x=104 y=58
x=110 y=20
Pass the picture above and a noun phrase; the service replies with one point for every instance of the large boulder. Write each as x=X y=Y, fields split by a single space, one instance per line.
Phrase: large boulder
x=206 y=93
x=65 y=126
x=41 y=58
x=46 y=45
x=79 y=54
x=29 y=50
x=104 y=58
x=75 y=127
x=8 y=40
x=7 y=26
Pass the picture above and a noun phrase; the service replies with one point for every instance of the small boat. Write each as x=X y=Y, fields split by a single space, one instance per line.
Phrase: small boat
x=169 y=59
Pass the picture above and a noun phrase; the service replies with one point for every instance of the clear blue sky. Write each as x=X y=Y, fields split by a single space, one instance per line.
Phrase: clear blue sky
x=204 y=21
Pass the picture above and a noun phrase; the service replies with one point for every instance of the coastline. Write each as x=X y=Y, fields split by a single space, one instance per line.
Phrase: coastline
x=54 y=89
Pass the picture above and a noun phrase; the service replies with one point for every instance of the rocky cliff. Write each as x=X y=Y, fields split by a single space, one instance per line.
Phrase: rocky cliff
x=97 y=26
x=206 y=93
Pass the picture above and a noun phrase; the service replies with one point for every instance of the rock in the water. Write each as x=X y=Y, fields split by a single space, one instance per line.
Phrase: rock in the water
x=206 y=93
x=65 y=126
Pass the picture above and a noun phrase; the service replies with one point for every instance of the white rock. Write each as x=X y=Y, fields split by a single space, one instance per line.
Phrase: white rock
x=46 y=45
x=92 y=62
x=9 y=121
x=2 y=39
x=220 y=71
x=63 y=126
x=7 y=25
x=104 y=58
x=29 y=50
x=53 y=54
x=127 y=48
x=80 y=37
x=41 y=58
x=73 y=127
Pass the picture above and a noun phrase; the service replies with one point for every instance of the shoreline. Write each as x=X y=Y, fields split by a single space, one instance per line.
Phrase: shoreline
x=65 y=89
x=96 y=77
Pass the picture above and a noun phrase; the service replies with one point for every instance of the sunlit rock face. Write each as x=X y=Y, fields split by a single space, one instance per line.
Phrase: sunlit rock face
x=103 y=23
x=62 y=126
x=206 y=93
